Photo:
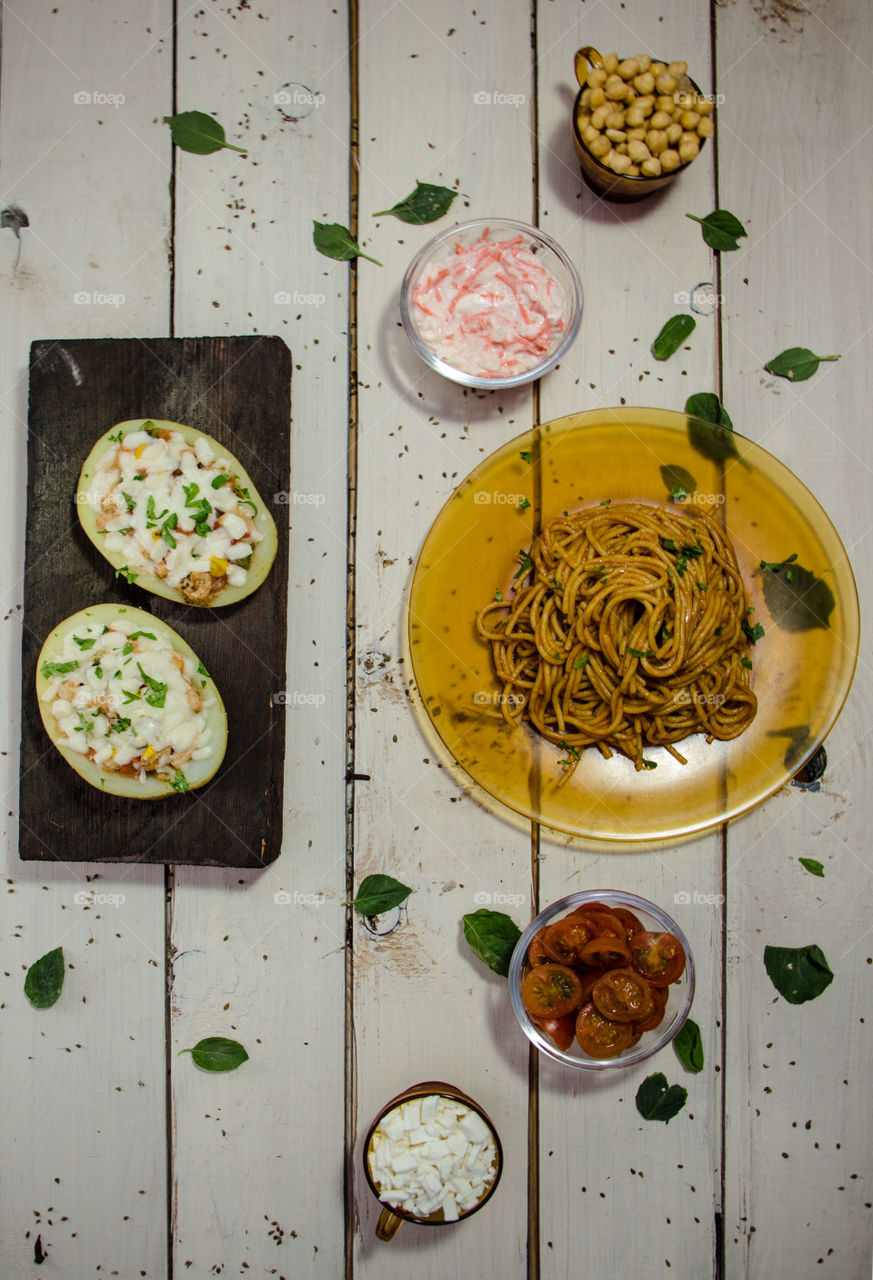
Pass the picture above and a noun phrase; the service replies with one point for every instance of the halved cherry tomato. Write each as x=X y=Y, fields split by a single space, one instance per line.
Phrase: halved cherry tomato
x=658 y=957
x=565 y=939
x=598 y=1036
x=631 y=923
x=562 y=1030
x=550 y=990
x=606 y=952
x=536 y=952
x=656 y=1017
x=607 y=923
x=623 y=996
x=588 y=977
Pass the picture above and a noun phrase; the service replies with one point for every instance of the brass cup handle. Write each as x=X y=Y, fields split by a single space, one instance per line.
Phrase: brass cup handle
x=585 y=57
x=386 y=1227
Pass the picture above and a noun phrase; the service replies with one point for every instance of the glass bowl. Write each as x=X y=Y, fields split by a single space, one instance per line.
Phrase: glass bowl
x=601 y=179
x=392 y=1216
x=442 y=249
x=679 y=994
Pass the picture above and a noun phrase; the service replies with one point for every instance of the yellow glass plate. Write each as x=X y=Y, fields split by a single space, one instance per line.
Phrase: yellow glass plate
x=802 y=672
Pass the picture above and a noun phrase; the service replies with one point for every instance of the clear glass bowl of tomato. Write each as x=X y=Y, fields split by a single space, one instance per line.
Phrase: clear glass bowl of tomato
x=601 y=979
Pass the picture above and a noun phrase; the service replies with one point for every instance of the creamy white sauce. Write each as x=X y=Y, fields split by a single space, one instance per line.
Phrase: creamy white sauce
x=491 y=309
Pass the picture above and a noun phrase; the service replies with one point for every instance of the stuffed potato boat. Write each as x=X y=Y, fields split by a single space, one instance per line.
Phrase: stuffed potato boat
x=175 y=513
x=128 y=703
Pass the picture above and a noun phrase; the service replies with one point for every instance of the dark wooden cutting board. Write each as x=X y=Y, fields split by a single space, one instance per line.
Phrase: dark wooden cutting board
x=239 y=391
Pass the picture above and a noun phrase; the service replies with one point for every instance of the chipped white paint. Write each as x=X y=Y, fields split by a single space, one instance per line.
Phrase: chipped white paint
x=262 y=957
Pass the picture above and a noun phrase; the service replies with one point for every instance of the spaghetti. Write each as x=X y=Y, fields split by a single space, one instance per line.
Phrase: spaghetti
x=628 y=629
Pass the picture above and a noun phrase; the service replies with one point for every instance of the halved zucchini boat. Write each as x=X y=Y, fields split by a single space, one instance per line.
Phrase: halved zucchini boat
x=174 y=512
x=128 y=703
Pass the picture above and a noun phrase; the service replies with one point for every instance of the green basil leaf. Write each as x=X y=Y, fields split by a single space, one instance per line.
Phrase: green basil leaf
x=217 y=1054
x=689 y=1046
x=377 y=894
x=195 y=131
x=335 y=241
x=492 y=935
x=679 y=482
x=813 y=866
x=656 y=1100
x=45 y=979
x=796 y=364
x=425 y=204
x=672 y=335
x=710 y=430
x=721 y=230
x=798 y=973
x=796 y=598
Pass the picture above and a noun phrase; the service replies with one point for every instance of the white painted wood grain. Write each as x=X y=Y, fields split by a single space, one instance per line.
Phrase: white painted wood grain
x=83 y=1107
x=424 y=1006
x=798 y=1114
x=636 y=262
x=259 y=957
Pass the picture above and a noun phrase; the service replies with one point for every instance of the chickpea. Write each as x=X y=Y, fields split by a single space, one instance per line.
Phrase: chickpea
x=643 y=62
x=629 y=68
x=615 y=89
x=646 y=104
x=645 y=82
x=637 y=150
x=657 y=68
x=621 y=149
x=634 y=171
x=670 y=160
x=689 y=137
x=585 y=98
x=678 y=69
x=656 y=141
x=705 y=127
x=637 y=135
x=705 y=106
x=659 y=120
x=598 y=117
x=615 y=120
x=610 y=63
x=600 y=147
x=665 y=102
x=597 y=99
x=589 y=134
x=596 y=77
x=619 y=163
x=688 y=151
x=634 y=117
x=689 y=119
x=666 y=82
x=616 y=135
x=651 y=168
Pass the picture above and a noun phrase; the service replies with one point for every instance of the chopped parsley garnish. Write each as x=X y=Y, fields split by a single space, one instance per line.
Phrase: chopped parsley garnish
x=126 y=649
x=523 y=505
x=169 y=523
x=126 y=572
x=147 y=635
x=746 y=662
x=220 y=480
x=648 y=764
x=606 y=502
x=526 y=565
x=526 y=455
x=121 y=724
x=140 y=475
x=130 y=502
x=157 y=692
x=128 y=696
x=581 y=662
x=88 y=643
x=498 y=596
x=245 y=497
x=190 y=491
x=202 y=670
x=752 y=634
x=641 y=653
x=116 y=439
x=85 y=725
x=668 y=544
x=98 y=671
x=50 y=669
x=179 y=782
x=572 y=753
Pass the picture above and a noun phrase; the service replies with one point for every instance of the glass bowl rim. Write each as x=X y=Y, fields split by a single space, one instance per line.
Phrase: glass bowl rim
x=450 y=371
x=622 y=898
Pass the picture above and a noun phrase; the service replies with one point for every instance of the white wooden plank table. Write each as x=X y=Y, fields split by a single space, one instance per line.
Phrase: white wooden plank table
x=119 y=1155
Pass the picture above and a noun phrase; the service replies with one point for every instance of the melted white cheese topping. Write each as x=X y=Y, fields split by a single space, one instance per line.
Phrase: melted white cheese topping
x=172 y=508
x=128 y=701
x=432 y=1154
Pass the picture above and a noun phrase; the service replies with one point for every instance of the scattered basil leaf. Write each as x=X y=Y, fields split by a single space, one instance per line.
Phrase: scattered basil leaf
x=798 y=973
x=425 y=204
x=45 y=979
x=13 y=216
x=335 y=241
x=492 y=936
x=672 y=335
x=721 y=230
x=796 y=364
x=678 y=481
x=800 y=738
x=195 y=131
x=217 y=1054
x=714 y=441
x=813 y=866
x=377 y=894
x=656 y=1100
x=689 y=1046
x=796 y=598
